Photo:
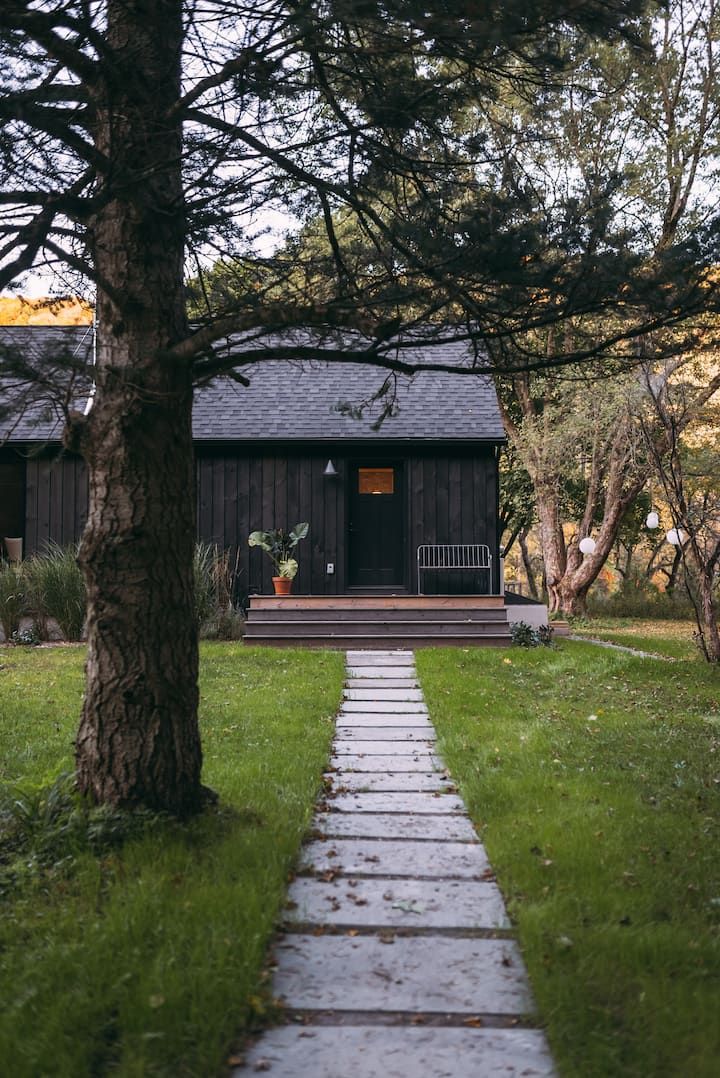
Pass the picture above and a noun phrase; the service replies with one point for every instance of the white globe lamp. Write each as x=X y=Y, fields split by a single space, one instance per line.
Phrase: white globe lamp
x=676 y=537
x=652 y=520
x=587 y=545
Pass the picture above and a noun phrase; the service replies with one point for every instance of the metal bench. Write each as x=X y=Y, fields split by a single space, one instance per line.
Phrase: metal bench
x=468 y=556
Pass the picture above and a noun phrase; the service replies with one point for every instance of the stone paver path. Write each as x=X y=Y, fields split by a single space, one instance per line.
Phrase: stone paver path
x=398 y=958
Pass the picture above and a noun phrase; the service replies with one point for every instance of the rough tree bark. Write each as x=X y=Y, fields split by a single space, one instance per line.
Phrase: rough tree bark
x=138 y=741
x=527 y=564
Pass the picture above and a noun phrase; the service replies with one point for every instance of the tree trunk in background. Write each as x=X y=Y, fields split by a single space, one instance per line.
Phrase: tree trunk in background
x=708 y=617
x=527 y=564
x=138 y=743
x=674 y=570
x=552 y=540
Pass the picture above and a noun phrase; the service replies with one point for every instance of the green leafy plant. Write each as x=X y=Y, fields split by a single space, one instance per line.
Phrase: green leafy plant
x=531 y=636
x=13 y=597
x=51 y=824
x=37 y=821
x=279 y=546
x=29 y=636
x=56 y=590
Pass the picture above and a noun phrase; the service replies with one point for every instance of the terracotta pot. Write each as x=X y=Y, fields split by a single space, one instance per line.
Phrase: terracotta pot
x=14 y=549
x=282 y=585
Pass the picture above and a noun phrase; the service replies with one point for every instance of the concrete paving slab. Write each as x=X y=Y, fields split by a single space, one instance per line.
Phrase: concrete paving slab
x=411 y=781
x=407 y=904
x=353 y=761
x=396 y=857
x=363 y=734
x=360 y=671
x=382 y=667
x=395 y=825
x=380 y=656
x=382 y=683
x=413 y=974
x=407 y=1052
x=434 y=804
x=387 y=707
x=359 y=718
x=346 y=747
x=383 y=694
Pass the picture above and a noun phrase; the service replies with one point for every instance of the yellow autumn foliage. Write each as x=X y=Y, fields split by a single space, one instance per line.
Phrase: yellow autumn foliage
x=44 y=311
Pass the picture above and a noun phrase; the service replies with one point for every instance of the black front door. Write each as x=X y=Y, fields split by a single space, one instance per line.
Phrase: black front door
x=376 y=526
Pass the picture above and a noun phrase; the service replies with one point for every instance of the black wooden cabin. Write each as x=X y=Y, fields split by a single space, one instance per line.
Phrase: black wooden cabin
x=291 y=447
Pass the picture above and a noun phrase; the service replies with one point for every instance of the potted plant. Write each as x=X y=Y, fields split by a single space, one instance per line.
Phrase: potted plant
x=279 y=545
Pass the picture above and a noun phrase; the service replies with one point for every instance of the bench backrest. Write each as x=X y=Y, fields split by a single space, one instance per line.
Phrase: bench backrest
x=453 y=556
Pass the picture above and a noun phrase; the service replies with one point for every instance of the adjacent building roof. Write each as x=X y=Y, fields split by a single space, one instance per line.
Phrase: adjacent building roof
x=30 y=409
x=308 y=401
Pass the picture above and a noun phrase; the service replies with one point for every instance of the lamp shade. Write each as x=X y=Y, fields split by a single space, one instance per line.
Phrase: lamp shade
x=652 y=520
x=587 y=545
x=330 y=470
x=676 y=537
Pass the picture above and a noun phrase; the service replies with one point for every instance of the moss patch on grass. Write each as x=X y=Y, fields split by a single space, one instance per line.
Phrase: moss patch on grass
x=594 y=780
x=147 y=960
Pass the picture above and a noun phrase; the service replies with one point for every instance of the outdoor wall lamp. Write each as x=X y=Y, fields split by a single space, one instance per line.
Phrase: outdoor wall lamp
x=331 y=471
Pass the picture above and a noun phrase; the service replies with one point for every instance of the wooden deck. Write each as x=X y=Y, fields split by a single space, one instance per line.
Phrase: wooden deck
x=371 y=621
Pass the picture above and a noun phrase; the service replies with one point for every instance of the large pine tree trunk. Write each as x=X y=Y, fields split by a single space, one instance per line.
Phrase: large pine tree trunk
x=138 y=742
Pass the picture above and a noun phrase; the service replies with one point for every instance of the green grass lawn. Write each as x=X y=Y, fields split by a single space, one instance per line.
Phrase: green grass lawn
x=146 y=959
x=594 y=779
x=671 y=638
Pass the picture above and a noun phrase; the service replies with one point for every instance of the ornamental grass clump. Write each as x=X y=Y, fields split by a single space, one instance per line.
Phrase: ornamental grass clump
x=13 y=597
x=56 y=590
x=203 y=581
x=215 y=578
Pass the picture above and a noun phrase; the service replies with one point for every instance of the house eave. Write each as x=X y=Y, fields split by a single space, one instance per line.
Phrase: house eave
x=354 y=444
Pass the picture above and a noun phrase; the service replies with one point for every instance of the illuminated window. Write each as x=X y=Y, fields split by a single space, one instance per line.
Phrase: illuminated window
x=376 y=480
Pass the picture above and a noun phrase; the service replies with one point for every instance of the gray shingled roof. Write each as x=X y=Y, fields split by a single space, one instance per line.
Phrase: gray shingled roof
x=32 y=413
x=294 y=401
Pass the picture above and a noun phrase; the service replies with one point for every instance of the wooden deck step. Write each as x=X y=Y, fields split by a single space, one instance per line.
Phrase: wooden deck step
x=371 y=643
x=365 y=614
x=377 y=602
x=369 y=622
x=380 y=628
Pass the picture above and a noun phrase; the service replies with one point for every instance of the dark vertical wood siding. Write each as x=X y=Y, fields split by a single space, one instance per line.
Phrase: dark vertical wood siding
x=55 y=501
x=450 y=497
x=267 y=491
x=12 y=495
x=452 y=500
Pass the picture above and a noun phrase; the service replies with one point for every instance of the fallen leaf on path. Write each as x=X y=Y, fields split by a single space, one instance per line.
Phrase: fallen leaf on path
x=408 y=906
